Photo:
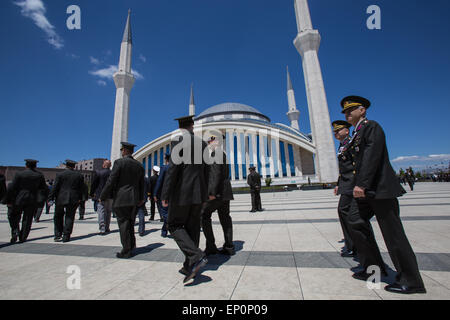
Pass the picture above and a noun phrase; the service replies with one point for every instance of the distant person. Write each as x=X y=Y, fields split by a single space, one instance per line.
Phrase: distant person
x=67 y=194
x=410 y=178
x=84 y=198
x=48 y=204
x=125 y=186
x=163 y=211
x=104 y=208
x=151 y=190
x=27 y=192
x=142 y=209
x=254 y=181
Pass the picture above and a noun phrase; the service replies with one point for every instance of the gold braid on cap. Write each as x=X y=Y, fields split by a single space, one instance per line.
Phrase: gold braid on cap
x=349 y=104
x=339 y=127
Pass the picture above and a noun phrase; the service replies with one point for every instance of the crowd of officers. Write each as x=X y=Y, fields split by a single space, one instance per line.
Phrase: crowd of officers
x=188 y=193
x=368 y=186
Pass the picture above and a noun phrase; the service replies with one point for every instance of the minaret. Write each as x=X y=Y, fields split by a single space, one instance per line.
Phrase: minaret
x=124 y=81
x=307 y=43
x=293 y=114
x=191 y=103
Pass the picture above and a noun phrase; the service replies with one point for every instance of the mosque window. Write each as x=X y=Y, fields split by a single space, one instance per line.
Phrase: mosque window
x=283 y=159
x=291 y=159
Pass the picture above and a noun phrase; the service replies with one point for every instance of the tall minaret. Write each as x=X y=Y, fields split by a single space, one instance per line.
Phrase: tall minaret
x=124 y=81
x=293 y=114
x=191 y=103
x=307 y=43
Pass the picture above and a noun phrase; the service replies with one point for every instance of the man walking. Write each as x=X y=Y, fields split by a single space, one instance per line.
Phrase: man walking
x=376 y=190
x=151 y=190
x=254 y=181
x=125 y=186
x=163 y=211
x=220 y=194
x=26 y=193
x=67 y=191
x=84 y=198
x=185 y=190
x=103 y=208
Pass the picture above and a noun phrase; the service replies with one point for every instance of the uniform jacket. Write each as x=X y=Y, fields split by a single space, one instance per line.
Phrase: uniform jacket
x=373 y=171
x=125 y=184
x=99 y=182
x=219 y=184
x=254 y=180
x=160 y=181
x=186 y=183
x=68 y=188
x=152 y=184
x=346 y=181
x=28 y=188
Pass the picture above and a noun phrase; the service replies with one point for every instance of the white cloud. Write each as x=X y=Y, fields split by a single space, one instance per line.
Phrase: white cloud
x=142 y=58
x=107 y=73
x=94 y=60
x=101 y=83
x=431 y=157
x=35 y=10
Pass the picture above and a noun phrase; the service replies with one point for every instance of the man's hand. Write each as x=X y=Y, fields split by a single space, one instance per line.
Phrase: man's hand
x=336 y=190
x=165 y=203
x=212 y=197
x=358 y=192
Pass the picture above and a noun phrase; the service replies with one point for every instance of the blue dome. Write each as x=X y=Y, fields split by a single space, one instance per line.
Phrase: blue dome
x=230 y=108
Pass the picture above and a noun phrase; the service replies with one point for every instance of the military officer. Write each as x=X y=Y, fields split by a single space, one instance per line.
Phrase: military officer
x=67 y=191
x=254 y=181
x=376 y=190
x=220 y=194
x=185 y=189
x=27 y=192
x=125 y=186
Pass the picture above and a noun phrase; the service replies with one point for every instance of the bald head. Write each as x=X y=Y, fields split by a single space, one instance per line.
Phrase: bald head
x=107 y=164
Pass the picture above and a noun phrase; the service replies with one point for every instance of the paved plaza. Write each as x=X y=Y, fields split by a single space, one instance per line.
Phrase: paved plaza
x=291 y=251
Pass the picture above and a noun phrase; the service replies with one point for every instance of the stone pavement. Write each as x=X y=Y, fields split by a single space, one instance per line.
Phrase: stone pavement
x=289 y=252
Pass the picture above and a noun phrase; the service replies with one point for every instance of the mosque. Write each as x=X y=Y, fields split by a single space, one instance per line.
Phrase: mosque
x=278 y=151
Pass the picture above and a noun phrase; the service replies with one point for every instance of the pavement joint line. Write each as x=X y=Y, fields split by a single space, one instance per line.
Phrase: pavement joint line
x=245 y=264
x=295 y=262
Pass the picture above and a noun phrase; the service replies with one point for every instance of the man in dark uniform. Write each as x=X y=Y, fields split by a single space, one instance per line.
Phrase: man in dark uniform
x=163 y=211
x=151 y=190
x=185 y=189
x=254 y=181
x=104 y=208
x=410 y=178
x=27 y=192
x=220 y=194
x=348 y=208
x=376 y=190
x=84 y=198
x=345 y=183
x=67 y=191
x=125 y=186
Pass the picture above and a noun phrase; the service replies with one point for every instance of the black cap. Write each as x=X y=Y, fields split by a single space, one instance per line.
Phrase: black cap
x=32 y=161
x=70 y=163
x=252 y=168
x=354 y=101
x=184 y=122
x=340 y=124
x=127 y=145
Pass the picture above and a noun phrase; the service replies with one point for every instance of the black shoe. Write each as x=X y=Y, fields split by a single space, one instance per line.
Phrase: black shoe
x=348 y=254
x=252 y=210
x=66 y=239
x=399 y=288
x=195 y=269
x=57 y=239
x=13 y=240
x=151 y=219
x=81 y=218
x=361 y=275
x=183 y=271
x=107 y=231
x=164 y=234
x=121 y=255
x=141 y=234
x=211 y=251
x=228 y=251
x=260 y=210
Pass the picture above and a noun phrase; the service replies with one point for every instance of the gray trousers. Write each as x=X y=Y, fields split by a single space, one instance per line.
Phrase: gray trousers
x=104 y=214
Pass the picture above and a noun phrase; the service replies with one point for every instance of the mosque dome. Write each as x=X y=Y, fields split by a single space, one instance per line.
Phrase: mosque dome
x=231 y=111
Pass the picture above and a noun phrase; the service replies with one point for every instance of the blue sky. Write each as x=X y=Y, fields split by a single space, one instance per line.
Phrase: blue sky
x=56 y=106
